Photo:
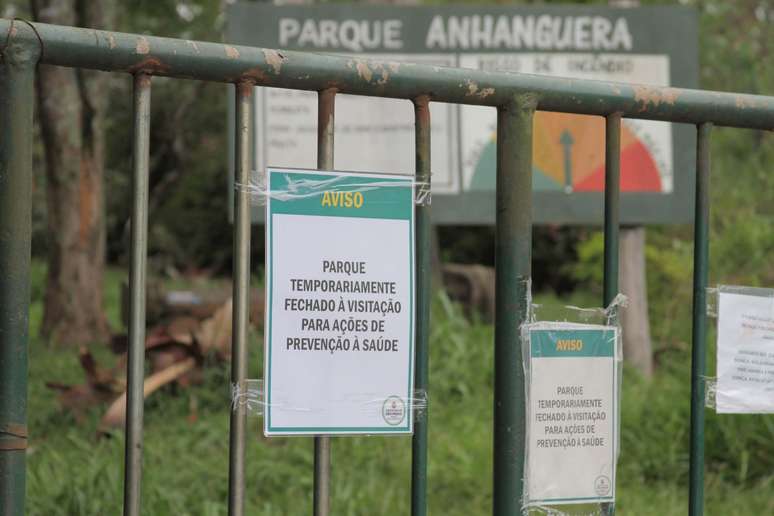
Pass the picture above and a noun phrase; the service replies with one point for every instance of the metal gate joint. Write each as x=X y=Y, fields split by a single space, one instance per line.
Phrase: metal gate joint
x=18 y=49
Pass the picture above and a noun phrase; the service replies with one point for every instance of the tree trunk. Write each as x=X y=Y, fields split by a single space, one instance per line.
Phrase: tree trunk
x=71 y=111
x=637 y=349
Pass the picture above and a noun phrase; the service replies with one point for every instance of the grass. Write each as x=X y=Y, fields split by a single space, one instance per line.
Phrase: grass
x=70 y=471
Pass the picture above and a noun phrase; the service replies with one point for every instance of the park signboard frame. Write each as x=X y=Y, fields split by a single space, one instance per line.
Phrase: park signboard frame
x=654 y=45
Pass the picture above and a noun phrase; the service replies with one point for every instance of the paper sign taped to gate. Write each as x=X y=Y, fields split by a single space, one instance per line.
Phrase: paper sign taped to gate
x=745 y=351
x=572 y=411
x=340 y=315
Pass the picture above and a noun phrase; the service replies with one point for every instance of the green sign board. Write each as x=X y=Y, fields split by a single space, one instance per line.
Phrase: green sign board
x=648 y=45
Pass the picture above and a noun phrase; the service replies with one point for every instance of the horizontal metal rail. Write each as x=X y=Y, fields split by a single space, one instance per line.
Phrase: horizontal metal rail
x=132 y=53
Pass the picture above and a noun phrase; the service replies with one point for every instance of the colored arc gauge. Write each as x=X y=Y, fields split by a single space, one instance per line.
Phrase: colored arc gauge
x=569 y=155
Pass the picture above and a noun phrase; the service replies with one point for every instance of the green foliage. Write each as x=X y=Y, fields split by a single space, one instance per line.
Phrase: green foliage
x=186 y=442
x=188 y=205
x=742 y=237
x=668 y=261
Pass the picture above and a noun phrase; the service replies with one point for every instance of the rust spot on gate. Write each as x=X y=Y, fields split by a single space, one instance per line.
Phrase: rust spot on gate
x=231 y=52
x=648 y=95
x=256 y=74
x=245 y=88
x=142 y=46
x=274 y=59
x=475 y=91
x=363 y=70
x=149 y=65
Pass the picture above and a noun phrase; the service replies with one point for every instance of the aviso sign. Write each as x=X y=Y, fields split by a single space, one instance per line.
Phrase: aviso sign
x=648 y=45
x=572 y=413
x=339 y=355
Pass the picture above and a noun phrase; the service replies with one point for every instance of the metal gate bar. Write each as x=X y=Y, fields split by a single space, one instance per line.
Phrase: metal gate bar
x=17 y=86
x=612 y=205
x=422 y=224
x=699 y=329
x=184 y=59
x=611 y=222
x=513 y=252
x=326 y=115
x=241 y=296
x=135 y=369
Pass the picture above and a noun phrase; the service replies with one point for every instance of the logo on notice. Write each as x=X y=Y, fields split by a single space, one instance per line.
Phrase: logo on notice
x=602 y=485
x=393 y=410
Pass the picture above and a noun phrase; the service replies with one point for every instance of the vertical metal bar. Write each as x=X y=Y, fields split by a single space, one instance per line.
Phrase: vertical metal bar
x=423 y=295
x=17 y=87
x=326 y=108
x=698 y=350
x=612 y=221
x=139 y=247
x=612 y=204
x=241 y=297
x=513 y=249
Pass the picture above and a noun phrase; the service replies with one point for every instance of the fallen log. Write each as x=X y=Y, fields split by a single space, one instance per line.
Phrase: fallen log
x=115 y=416
x=175 y=349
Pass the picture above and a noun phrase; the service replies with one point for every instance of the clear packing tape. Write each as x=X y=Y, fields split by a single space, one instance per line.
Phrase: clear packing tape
x=305 y=188
x=250 y=395
x=713 y=295
x=711 y=382
x=554 y=321
x=710 y=391
x=608 y=316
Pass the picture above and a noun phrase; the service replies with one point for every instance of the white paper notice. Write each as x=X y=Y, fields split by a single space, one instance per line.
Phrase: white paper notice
x=572 y=414
x=745 y=354
x=340 y=324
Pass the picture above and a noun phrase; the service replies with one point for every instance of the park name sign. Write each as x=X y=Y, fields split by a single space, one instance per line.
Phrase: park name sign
x=648 y=45
x=339 y=347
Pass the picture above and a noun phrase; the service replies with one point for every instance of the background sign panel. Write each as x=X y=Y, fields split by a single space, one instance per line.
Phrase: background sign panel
x=649 y=45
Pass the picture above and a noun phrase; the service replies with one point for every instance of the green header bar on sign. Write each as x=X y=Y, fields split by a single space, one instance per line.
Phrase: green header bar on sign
x=546 y=343
x=340 y=195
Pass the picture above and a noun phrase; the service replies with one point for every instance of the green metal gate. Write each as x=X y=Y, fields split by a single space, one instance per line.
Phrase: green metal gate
x=23 y=45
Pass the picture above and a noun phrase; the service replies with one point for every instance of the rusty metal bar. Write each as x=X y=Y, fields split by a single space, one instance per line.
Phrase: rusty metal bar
x=326 y=111
x=423 y=294
x=513 y=256
x=17 y=86
x=612 y=205
x=121 y=52
x=135 y=370
x=241 y=297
